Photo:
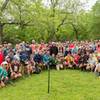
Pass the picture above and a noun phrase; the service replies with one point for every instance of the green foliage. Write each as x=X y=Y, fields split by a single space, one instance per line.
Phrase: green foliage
x=96 y=20
x=62 y=19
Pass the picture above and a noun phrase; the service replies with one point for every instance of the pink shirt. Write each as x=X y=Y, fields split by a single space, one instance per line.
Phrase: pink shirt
x=98 y=49
x=33 y=47
x=42 y=46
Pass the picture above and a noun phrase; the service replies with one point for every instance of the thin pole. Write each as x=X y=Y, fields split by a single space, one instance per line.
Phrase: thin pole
x=48 y=79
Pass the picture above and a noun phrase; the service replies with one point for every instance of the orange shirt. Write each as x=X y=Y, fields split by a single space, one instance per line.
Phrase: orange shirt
x=69 y=59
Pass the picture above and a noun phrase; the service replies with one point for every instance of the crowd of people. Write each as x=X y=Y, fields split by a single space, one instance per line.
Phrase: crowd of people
x=26 y=59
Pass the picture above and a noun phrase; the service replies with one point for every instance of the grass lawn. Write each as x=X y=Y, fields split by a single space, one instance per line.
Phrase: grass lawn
x=65 y=85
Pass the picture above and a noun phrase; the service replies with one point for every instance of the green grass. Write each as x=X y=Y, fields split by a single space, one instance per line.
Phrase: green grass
x=65 y=85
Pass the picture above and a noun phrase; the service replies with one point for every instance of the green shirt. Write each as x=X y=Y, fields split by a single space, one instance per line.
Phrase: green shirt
x=3 y=73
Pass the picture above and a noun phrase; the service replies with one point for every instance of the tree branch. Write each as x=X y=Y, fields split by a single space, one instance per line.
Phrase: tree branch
x=62 y=23
x=4 y=5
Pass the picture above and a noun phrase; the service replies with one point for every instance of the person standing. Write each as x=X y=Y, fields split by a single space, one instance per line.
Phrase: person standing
x=33 y=46
x=1 y=55
x=53 y=49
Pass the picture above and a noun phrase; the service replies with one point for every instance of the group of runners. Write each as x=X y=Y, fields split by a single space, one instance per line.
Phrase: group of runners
x=32 y=58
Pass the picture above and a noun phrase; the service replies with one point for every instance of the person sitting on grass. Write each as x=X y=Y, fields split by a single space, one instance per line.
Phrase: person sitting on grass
x=83 y=61
x=8 y=68
x=3 y=74
x=97 y=69
x=52 y=62
x=60 y=60
x=30 y=67
x=38 y=58
x=76 y=60
x=16 y=69
x=92 y=61
x=46 y=57
x=69 y=61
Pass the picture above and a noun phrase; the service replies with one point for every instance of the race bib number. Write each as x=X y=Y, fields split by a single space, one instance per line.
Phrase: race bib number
x=15 y=68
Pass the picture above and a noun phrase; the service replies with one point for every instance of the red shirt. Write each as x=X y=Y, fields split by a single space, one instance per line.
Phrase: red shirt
x=1 y=57
x=71 y=46
x=76 y=58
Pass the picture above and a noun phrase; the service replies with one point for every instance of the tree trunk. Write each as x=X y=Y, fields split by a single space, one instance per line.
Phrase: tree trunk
x=76 y=31
x=76 y=34
x=1 y=33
